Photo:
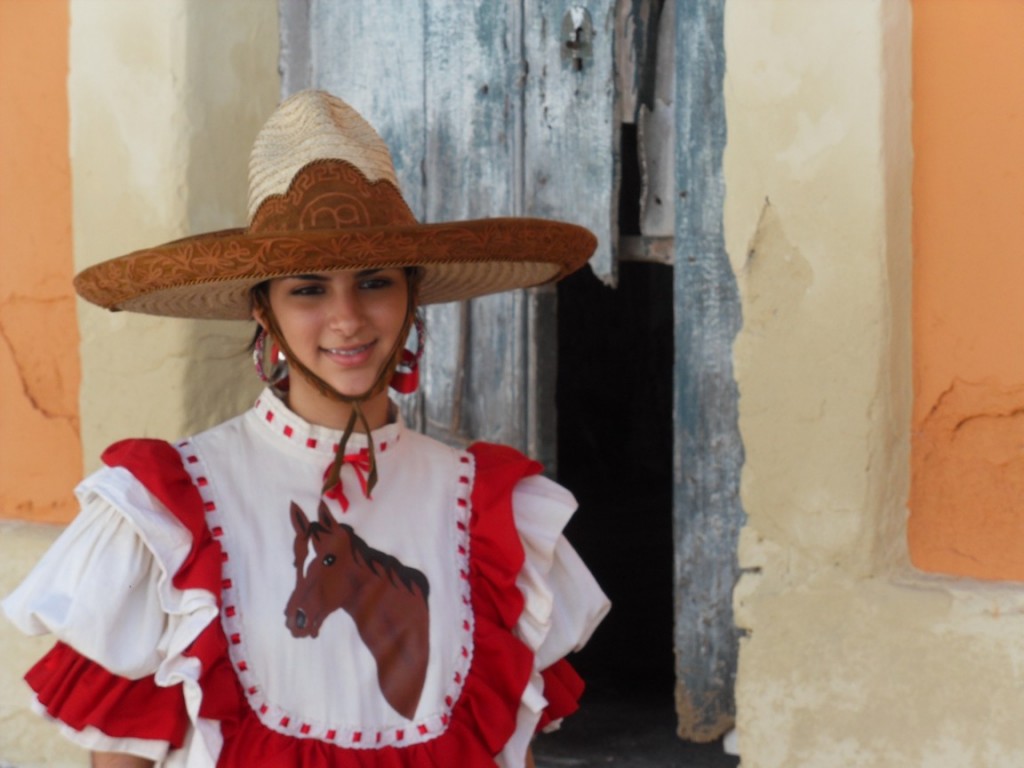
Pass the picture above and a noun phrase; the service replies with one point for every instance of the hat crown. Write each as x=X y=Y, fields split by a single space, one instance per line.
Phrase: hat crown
x=331 y=195
x=313 y=126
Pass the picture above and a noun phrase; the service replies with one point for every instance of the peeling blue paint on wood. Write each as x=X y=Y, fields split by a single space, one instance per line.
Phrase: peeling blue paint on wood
x=444 y=85
x=571 y=132
x=375 y=61
x=709 y=451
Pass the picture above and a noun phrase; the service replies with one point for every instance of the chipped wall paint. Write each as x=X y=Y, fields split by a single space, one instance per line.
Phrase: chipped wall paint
x=806 y=232
x=164 y=101
x=966 y=511
x=852 y=658
x=40 y=452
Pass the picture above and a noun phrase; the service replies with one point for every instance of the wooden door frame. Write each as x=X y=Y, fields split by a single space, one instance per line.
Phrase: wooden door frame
x=708 y=449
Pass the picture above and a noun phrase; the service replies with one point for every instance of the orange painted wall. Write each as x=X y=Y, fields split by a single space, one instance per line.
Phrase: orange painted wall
x=40 y=454
x=967 y=497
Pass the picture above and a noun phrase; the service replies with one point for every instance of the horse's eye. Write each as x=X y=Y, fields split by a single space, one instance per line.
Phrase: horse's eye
x=329 y=559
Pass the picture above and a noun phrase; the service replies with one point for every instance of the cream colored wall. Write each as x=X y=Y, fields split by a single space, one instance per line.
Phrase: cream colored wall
x=852 y=659
x=165 y=99
x=162 y=122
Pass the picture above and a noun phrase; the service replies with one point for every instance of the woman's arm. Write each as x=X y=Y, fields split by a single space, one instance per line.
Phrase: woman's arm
x=119 y=760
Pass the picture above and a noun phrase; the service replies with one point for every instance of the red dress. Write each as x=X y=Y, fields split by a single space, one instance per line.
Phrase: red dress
x=212 y=609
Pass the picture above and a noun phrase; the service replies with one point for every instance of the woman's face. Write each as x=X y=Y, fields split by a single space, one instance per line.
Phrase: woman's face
x=343 y=326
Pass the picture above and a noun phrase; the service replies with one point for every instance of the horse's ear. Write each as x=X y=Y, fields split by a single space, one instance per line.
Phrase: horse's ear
x=326 y=520
x=299 y=520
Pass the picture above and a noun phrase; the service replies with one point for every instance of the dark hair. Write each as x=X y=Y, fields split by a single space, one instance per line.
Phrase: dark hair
x=259 y=295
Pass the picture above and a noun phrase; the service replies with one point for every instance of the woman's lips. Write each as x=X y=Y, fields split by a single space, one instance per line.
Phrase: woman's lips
x=351 y=355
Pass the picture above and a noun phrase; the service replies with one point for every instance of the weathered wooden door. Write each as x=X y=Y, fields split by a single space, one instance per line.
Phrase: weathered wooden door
x=486 y=113
x=517 y=107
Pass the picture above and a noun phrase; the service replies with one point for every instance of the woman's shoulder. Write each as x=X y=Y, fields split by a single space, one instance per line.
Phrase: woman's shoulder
x=493 y=463
x=135 y=451
x=506 y=468
x=138 y=471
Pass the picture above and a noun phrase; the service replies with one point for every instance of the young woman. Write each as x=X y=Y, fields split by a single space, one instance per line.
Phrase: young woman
x=311 y=583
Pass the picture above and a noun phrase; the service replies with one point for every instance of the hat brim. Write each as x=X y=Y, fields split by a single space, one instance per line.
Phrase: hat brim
x=211 y=276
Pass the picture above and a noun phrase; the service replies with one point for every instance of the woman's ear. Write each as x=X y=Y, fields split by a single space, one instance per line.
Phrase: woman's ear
x=259 y=301
x=257 y=315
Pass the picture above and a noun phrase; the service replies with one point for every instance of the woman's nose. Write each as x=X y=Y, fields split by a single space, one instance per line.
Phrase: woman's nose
x=346 y=313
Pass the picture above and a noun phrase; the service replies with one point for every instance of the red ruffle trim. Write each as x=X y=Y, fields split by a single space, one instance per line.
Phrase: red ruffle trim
x=562 y=688
x=81 y=693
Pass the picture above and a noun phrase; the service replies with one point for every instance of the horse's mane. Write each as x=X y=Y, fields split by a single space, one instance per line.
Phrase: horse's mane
x=389 y=566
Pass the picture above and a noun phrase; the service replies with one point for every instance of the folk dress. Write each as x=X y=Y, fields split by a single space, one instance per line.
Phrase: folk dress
x=211 y=607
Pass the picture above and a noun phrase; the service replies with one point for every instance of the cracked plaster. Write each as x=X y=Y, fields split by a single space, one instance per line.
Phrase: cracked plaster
x=850 y=657
x=969 y=456
x=40 y=456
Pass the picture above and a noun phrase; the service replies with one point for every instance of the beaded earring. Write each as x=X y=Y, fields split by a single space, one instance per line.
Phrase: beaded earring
x=279 y=363
x=407 y=373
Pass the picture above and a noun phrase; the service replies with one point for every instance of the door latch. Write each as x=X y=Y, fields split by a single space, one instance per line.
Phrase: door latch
x=577 y=37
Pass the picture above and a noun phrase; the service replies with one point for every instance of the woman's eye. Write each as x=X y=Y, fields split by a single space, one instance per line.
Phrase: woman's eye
x=307 y=290
x=375 y=283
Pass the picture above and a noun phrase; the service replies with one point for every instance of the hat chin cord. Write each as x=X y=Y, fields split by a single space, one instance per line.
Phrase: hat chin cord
x=356 y=415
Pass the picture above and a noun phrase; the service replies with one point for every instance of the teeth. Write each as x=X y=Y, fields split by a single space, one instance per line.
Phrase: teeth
x=348 y=352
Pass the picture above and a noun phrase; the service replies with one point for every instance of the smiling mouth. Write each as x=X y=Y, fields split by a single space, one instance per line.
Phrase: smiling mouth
x=348 y=351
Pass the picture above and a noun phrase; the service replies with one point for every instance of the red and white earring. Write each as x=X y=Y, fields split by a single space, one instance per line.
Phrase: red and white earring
x=278 y=362
x=406 y=377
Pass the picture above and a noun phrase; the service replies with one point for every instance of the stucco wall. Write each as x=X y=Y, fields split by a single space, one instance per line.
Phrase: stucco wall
x=40 y=454
x=162 y=124
x=851 y=658
x=165 y=97
x=966 y=511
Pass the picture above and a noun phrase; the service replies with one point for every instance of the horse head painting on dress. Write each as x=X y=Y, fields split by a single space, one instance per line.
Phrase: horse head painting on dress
x=386 y=599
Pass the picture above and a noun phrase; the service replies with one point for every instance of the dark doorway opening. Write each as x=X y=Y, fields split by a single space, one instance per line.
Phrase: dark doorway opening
x=615 y=441
x=614 y=402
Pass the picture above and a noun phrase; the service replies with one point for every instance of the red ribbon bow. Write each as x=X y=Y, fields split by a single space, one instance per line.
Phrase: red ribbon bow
x=360 y=462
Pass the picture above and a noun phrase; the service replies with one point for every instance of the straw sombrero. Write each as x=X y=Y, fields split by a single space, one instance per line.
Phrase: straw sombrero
x=323 y=196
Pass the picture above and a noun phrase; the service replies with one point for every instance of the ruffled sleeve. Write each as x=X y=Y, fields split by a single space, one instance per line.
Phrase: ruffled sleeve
x=561 y=602
x=98 y=574
x=105 y=590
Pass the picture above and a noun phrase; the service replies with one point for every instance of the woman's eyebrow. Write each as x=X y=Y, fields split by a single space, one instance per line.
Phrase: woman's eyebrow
x=318 y=278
